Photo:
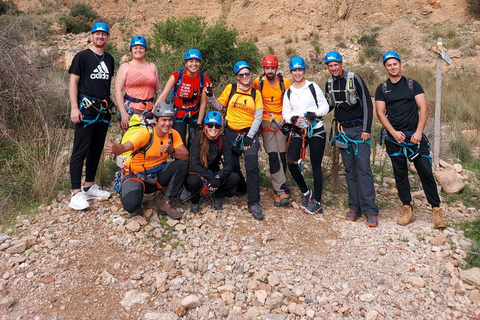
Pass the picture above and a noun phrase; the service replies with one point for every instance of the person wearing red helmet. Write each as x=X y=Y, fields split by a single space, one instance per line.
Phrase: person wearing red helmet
x=272 y=86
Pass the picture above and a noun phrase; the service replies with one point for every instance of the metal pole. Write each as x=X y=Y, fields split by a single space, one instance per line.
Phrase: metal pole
x=438 y=109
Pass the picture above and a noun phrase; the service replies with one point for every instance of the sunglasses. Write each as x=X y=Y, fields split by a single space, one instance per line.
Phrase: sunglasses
x=210 y=126
x=242 y=75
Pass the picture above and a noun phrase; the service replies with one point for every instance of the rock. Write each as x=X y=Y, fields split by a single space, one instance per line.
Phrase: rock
x=371 y=315
x=274 y=303
x=310 y=313
x=17 y=248
x=382 y=251
x=453 y=53
x=458 y=167
x=190 y=302
x=446 y=165
x=342 y=11
x=261 y=295
x=367 y=297
x=180 y=311
x=47 y=280
x=4 y=237
x=160 y=316
x=273 y=316
x=471 y=276
x=439 y=240
x=426 y=10
x=449 y=267
x=29 y=241
x=417 y=281
x=474 y=296
x=133 y=226
x=273 y=280
x=225 y=288
x=451 y=182
x=6 y=302
x=470 y=134
x=132 y=297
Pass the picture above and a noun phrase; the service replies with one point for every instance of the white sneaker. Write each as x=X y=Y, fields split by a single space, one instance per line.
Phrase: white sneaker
x=78 y=201
x=95 y=193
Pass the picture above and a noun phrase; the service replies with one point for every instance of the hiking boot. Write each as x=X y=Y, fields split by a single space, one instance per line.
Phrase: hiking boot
x=306 y=200
x=196 y=207
x=438 y=221
x=217 y=203
x=407 y=215
x=281 y=200
x=95 y=192
x=372 y=221
x=313 y=207
x=352 y=215
x=256 y=211
x=78 y=201
x=166 y=208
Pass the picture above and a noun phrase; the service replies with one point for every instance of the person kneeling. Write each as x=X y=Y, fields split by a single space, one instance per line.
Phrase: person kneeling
x=147 y=169
x=205 y=157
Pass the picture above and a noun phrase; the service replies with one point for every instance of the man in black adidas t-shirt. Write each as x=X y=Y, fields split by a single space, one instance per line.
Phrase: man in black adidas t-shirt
x=402 y=109
x=89 y=91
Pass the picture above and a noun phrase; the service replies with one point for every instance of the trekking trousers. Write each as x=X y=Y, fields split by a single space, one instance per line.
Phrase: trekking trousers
x=275 y=144
x=424 y=170
x=361 y=190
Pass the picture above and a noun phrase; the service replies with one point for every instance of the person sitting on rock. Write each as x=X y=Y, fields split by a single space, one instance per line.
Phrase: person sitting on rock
x=147 y=169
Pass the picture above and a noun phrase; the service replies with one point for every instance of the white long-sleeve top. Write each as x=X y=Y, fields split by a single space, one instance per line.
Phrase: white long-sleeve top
x=302 y=101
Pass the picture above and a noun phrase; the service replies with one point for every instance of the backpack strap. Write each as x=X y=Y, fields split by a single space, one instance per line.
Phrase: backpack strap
x=312 y=90
x=253 y=93
x=260 y=83
x=410 y=85
x=282 y=85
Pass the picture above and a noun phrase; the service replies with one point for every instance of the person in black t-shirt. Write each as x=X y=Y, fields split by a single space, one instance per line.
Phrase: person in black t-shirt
x=89 y=92
x=350 y=99
x=402 y=109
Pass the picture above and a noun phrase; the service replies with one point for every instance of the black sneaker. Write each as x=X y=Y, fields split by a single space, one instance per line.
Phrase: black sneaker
x=196 y=207
x=217 y=203
x=256 y=211
x=306 y=200
x=313 y=207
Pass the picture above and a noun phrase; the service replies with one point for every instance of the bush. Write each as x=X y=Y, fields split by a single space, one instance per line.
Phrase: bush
x=81 y=18
x=8 y=6
x=370 y=46
x=474 y=7
x=33 y=118
x=219 y=45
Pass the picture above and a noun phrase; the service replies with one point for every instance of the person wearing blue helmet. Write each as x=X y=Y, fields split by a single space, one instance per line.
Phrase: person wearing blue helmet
x=209 y=149
x=244 y=117
x=136 y=83
x=91 y=74
x=185 y=88
x=349 y=98
x=304 y=105
x=402 y=109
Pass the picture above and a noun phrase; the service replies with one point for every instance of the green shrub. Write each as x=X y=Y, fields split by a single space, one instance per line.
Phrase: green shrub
x=219 y=45
x=471 y=229
x=80 y=19
x=461 y=149
x=8 y=6
x=474 y=7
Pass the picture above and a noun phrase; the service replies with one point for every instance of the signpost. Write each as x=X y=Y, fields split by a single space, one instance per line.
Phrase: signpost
x=438 y=99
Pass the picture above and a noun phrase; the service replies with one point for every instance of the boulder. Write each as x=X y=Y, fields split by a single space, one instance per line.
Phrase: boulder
x=451 y=182
x=471 y=276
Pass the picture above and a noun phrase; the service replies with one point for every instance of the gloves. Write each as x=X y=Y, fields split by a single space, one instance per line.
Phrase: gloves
x=294 y=119
x=311 y=116
x=209 y=91
x=215 y=183
x=200 y=126
x=247 y=141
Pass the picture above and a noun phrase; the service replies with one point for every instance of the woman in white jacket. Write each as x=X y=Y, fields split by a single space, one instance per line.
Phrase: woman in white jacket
x=304 y=105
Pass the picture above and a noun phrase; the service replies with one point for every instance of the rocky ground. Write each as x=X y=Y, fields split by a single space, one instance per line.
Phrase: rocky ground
x=99 y=264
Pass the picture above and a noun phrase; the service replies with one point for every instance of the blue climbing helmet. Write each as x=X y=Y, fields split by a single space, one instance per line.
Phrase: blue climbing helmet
x=192 y=54
x=333 y=56
x=391 y=54
x=239 y=66
x=297 y=63
x=138 y=41
x=101 y=26
x=213 y=117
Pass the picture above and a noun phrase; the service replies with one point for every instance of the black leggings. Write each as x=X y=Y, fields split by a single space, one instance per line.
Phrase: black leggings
x=87 y=146
x=316 y=145
x=187 y=127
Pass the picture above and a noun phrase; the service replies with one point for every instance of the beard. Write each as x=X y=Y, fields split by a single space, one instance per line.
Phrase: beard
x=270 y=76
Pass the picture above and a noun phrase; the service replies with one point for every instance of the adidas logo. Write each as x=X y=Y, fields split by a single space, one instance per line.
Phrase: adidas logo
x=100 y=72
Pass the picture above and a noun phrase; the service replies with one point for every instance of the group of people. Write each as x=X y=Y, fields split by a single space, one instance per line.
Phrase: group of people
x=205 y=148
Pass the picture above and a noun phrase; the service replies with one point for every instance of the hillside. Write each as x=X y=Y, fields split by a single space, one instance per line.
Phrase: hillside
x=410 y=27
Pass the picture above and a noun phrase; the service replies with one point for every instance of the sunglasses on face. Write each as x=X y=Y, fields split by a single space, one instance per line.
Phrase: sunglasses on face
x=243 y=75
x=211 y=125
